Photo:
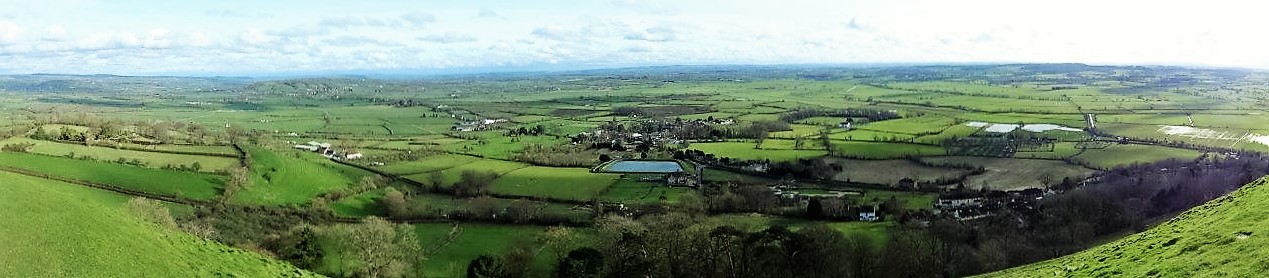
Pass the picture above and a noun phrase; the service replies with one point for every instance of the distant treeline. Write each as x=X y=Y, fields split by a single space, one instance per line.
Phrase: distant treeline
x=871 y=114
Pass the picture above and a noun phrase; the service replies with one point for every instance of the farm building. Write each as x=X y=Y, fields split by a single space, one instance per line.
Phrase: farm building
x=868 y=213
x=310 y=148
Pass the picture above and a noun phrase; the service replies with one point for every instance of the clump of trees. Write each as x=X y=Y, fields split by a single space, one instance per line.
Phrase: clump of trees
x=17 y=147
x=474 y=183
x=557 y=156
x=374 y=248
x=760 y=130
x=626 y=111
x=674 y=245
x=871 y=114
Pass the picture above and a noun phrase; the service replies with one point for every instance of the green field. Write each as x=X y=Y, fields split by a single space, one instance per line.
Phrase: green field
x=891 y=171
x=633 y=191
x=151 y=159
x=292 y=177
x=745 y=150
x=427 y=164
x=725 y=176
x=451 y=246
x=360 y=205
x=1014 y=174
x=453 y=174
x=181 y=184
x=1120 y=155
x=877 y=150
x=1223 y=238
x=914 y=125
x=577 y=184
x=54 y=229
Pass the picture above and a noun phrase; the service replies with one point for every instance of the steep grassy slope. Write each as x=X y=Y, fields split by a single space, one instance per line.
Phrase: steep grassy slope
x=287 y=177
x=54 y=229
x=1226 y=237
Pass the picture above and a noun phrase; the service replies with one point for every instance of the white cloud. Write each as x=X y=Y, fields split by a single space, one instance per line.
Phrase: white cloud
x=419 y=18
x=449 y=37
x=486 y=12
x=9 y=32
x=96 y=37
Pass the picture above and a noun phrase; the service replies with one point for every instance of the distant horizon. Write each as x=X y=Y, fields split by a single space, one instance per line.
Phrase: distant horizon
x=405 y=73
x=290 y=37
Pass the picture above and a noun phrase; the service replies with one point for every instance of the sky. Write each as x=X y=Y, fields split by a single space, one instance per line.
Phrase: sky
x=239 y=37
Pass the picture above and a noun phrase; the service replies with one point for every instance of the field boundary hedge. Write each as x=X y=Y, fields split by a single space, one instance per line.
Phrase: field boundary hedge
x=130 y=148
x=116 y=189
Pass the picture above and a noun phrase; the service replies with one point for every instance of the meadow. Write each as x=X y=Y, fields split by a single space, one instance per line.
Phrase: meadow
x=68 y=230
x=292 y=177
x=198 y=186
x=746 y=150
x=150 y=159
x=577 y=184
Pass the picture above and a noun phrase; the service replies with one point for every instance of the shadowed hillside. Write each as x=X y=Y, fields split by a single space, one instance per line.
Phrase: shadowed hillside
x=1224 y=237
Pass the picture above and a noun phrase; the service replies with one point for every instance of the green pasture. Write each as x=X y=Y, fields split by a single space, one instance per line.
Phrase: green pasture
x=55 y=229
x=577 y=184
x=151 y=159
x=293 y=177
x=191 y=185
x=746 y=150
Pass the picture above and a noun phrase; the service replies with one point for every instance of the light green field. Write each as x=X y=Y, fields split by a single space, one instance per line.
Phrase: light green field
x=786 y=144
x=151 y=159
x=454 y=173
x=877 y=150
x=870 y=135
x=577 y=184
x=798 y=130
x=54 y=229
x=1124 y=154
x=910 y=200
x=224 y=150
x=877 y=232
x=725 y=176
x=745 y=150
x=293 y=177
x=890 y=171
x=1060 y=150
x=914 y=125
x=822 y=121
x=451 y=247
x=633 y=191
x=182 y=184
x=494 y=145
x=427 y=164
x=955 y=131
x=1014 y=174
x=1223 y=238
x=360 y=205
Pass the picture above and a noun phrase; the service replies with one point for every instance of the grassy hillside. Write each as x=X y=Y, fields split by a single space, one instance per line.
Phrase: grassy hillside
x=293 y=177
x=1225 y=237
x=54 y=229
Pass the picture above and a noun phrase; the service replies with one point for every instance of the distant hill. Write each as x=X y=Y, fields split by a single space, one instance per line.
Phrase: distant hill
x=1227 y=237
x=55 y=229
x=58 y=83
